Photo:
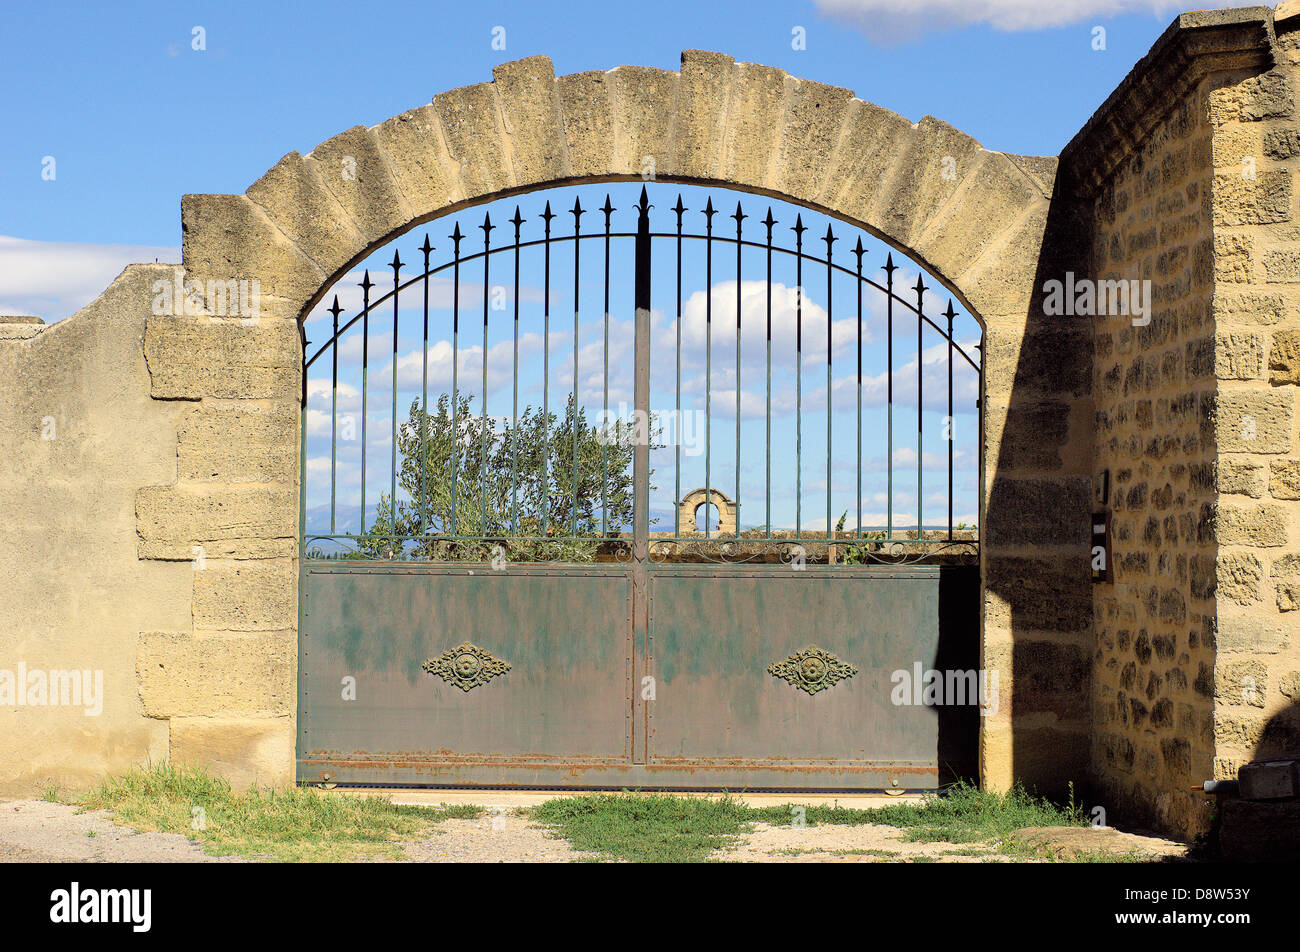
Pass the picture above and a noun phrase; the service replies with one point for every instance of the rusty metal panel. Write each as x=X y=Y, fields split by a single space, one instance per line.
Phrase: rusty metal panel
x=790 y=671
x=460 y=666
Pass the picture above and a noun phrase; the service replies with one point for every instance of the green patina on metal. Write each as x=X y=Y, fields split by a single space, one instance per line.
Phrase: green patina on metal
x=634 y=660
x=813 y=669
x=467 y=666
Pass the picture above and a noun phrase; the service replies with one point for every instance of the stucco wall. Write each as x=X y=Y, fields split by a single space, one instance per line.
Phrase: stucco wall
x=80 y=435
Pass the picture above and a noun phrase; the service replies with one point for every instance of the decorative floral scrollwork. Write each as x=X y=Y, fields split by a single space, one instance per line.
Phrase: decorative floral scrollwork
x=466 y=666
x=811 y=670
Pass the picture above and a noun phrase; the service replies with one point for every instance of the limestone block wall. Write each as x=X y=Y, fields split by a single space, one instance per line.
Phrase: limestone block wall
x=1256 y=132
x=1174 y=184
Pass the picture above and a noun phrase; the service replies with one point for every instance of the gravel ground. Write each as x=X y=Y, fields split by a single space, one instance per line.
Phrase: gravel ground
x=34 y=831
x=492 y=839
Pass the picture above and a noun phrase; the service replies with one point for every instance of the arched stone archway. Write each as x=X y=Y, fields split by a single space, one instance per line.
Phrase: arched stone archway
x=974 y=218
x=689 y=507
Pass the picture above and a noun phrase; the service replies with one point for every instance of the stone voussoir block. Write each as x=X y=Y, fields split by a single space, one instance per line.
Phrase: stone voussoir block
x=938 y=160
x=749 y=150
x=530 y=113
x=705 y=86
x=413 y=146
x=476 y=144
x=812 y=127
x=295 y=197
x=587 y=114
x=644 y=106
x=230 y=237
x=872 y=139
x=354 y=167
x=993 y=197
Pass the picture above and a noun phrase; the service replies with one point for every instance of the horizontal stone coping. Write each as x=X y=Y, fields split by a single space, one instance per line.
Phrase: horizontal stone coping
x=1194 y=44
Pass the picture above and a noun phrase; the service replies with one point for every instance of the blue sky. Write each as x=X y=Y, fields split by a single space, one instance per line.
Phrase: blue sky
x=111 y=113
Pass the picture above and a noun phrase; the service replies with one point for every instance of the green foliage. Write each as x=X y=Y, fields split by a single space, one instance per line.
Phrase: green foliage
x=516 y=489
x=646 y=828
x=666 y=828
x=297 y=824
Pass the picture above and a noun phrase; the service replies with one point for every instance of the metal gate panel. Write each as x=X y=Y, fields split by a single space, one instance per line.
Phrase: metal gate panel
x=592 y=652
x=716 y=632
x=565 y=634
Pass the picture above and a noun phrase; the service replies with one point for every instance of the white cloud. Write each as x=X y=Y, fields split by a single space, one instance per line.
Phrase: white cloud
x=54 y=279
x=896 y=19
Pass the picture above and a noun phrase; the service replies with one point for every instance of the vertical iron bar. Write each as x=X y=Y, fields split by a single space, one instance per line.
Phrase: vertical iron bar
x=920 y=445
x=334 y=412
x=709 y=212
x=952 y=423
x=392 y=490
x=424 y=394
x=365 y=367
x=830 y=321
x=740 y=216
x=547 y=215
x=577 y=248
x=798 y=228
x=641 y=386
x=514 y=405
x=769 y=221
x=679 y=208
x=641 y=480
x=859 y=251
x=456 y=238
x=889 y=269
x=487 y=227
x=604 y=444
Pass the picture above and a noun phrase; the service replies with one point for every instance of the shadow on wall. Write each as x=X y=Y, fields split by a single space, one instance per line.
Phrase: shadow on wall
x=1280 y=739
x=1036 y=545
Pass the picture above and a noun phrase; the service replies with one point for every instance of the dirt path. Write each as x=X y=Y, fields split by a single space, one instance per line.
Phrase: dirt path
x=34 y=831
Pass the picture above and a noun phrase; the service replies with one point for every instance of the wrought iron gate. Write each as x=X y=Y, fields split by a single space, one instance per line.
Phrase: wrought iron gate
x=515 y=621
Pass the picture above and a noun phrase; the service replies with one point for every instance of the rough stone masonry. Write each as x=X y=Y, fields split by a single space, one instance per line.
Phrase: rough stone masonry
x=149 y=479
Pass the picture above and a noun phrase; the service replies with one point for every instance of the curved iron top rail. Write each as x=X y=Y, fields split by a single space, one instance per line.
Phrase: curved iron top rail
x=643 y=237
x=458 y=259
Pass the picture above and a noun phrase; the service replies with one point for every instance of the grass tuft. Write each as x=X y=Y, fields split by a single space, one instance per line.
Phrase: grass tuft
x=295 y=825
x=647 y=828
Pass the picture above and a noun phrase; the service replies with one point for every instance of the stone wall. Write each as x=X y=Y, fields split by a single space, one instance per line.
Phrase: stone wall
x=1256 y=132
x=1174 y=182
x=158 y=534
x=80 y=436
